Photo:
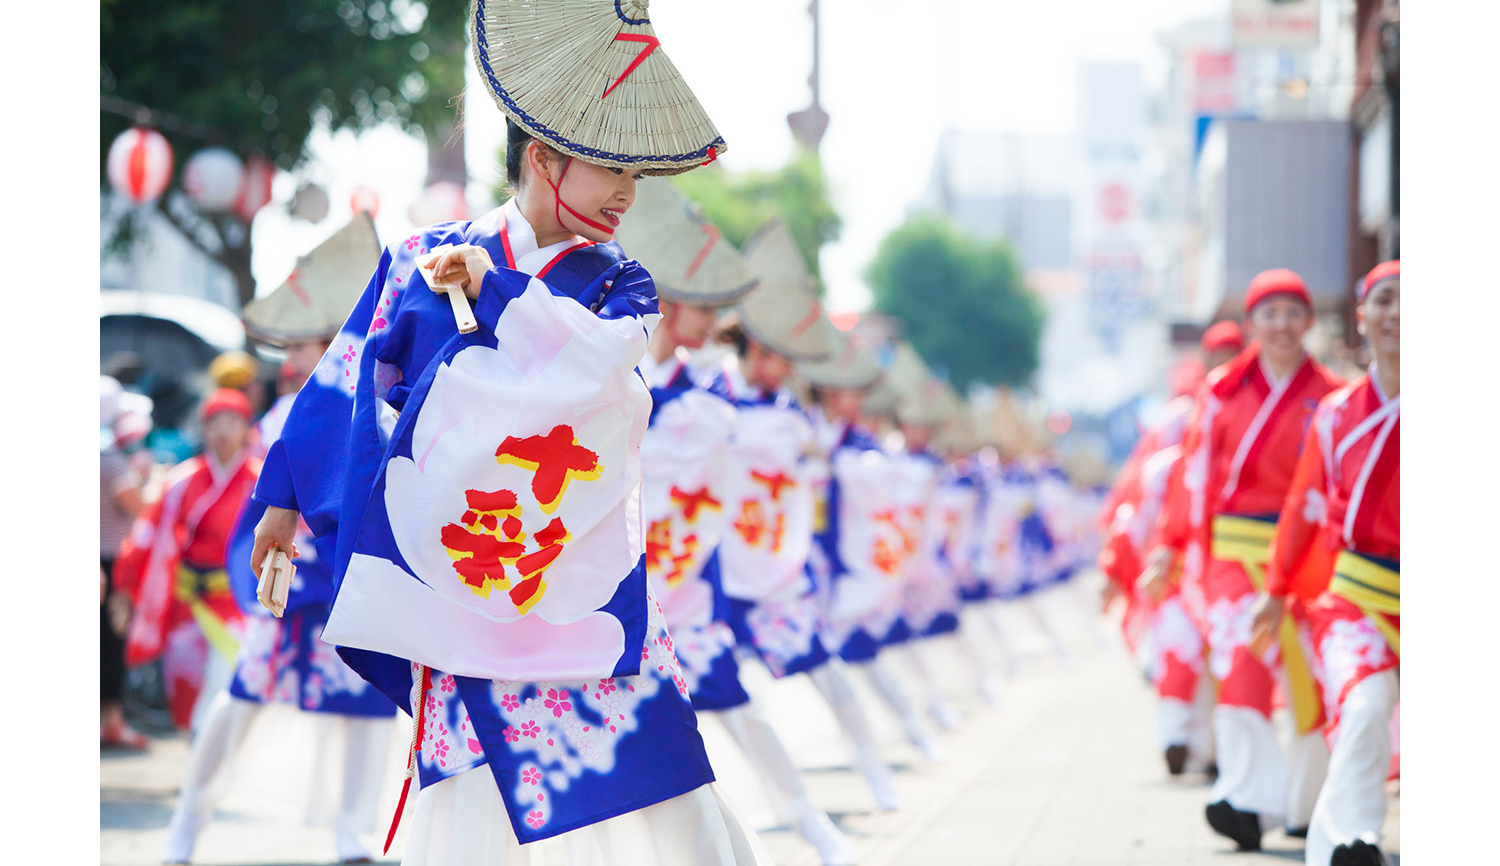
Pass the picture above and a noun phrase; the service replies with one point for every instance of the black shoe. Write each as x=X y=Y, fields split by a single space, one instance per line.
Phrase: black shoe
x=1296 y=832
x=1227 y=821
x=1357 y=853
x=1176 y=759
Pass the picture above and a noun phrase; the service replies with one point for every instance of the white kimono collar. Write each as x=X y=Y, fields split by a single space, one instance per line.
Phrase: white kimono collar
x=529 y=259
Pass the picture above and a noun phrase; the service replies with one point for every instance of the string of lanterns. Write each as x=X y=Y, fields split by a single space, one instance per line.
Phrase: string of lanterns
x=140 y=163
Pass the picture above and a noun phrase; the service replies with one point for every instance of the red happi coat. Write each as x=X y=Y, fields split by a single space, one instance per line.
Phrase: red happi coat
x=1346 y=495
x=187 y=529
x=1130 y=516
x=1240 y=450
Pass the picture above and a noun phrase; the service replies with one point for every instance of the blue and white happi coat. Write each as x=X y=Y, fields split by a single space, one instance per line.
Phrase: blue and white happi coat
x=774 y=606
x=932 y=582
x=284 y=660
x=859 y=549
x=484 y=492
x=682 y=459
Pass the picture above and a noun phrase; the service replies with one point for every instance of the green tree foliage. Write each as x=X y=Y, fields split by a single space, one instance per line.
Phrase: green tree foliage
x=961 y=301
x=257 y=76
x=741 y=202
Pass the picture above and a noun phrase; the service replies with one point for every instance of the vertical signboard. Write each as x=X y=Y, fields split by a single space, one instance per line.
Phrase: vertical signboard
x=1275 y=23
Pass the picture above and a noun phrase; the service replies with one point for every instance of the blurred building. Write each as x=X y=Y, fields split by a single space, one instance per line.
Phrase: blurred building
x=1375 y=111
x=1254 y=158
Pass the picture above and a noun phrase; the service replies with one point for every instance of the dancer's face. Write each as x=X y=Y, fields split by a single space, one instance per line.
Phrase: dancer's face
x=1380 y=319
x=600 y=193
x=1279 y=323
x=689 y=324
x=767 y=369
x=842 y=404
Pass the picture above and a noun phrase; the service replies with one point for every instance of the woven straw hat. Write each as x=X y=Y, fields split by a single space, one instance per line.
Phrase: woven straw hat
x=851 y=366
x=589 y=78
x=1009 y=429
x=905 y=375
x=319 y=293
x=683 y=252
x=783 y=313
x=960 y=435
x=931 y=406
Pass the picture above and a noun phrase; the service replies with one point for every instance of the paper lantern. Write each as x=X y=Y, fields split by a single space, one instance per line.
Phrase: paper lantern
x=212 y=178
x=440 y=202
x=365 y=200
x=139 y=165
x=310 y=203
x=255 y=187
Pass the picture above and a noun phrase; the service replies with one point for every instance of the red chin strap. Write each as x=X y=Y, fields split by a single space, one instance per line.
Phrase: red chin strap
x=561 y=205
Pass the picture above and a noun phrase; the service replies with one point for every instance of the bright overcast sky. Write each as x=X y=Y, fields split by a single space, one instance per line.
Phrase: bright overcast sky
x=894 y=75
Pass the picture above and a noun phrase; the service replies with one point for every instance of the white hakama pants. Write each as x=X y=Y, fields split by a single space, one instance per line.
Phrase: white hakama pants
x=1252 y=770
x=463 y=821
x=1352 y=804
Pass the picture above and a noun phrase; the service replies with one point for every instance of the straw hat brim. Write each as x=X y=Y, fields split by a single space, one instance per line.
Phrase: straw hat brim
x=781 y=348
x=592 y=81
x=689 y=259
x=332 y=278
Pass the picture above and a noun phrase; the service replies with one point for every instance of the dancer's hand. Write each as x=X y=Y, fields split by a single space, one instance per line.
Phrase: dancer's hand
x=466 y=264
x=1108 y=594
x=1156 y=580
x=1265 y=620
x=277 y=528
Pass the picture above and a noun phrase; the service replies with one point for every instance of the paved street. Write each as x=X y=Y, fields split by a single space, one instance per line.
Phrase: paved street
x=1062 y=771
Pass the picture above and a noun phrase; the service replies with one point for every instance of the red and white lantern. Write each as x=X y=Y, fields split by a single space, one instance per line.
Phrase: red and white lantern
x=440 y=202
x=255 y=187
x=365 y=200
x=139 y=164
x=212 y=179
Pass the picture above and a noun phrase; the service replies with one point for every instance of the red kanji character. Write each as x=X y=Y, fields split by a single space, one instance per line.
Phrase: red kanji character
x=556 y=458
x=690 y=502
x=774 y=483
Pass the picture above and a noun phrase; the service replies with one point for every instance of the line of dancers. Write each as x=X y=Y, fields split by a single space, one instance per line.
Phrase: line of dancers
x=1255 y=536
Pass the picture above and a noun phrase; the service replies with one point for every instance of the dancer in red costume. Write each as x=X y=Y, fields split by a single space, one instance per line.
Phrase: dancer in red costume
x=1238 y=454
x=1338 y=543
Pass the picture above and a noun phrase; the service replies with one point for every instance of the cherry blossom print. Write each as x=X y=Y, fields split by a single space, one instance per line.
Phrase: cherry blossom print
x=535 y=819
x=531 y=776
x=510 y=702
x=557 y=702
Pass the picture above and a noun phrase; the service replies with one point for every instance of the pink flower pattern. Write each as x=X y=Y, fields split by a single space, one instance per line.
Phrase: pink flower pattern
x=531 y=776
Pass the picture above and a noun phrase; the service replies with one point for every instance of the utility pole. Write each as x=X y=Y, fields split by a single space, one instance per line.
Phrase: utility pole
x=809 y=124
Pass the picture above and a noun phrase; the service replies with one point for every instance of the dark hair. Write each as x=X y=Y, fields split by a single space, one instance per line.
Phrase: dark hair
x=516 y=140
x=732 y=333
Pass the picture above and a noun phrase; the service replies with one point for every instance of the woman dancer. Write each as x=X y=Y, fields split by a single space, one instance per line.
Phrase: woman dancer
x=774 y=605
x=484 y=483
x=683 y=457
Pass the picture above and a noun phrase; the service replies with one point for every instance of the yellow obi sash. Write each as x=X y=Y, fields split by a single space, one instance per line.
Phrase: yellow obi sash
x=1247 y=541
x=191 y=587
x=1373 y=588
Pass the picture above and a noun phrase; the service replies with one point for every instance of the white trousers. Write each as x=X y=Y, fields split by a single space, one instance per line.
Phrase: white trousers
x=1179 y=723
x=1252 y=771
x=1352 y=803
x=773 y=764
x=462 y=821
x=225 y=723
x=1307 y=766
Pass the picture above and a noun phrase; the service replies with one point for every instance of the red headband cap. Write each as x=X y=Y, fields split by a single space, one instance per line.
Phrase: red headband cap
x=1223 y=336
x=1390 y=270
x=226 y=400
x=1276 y=281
